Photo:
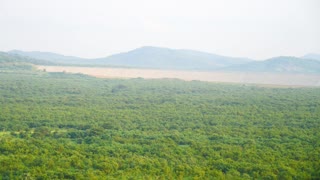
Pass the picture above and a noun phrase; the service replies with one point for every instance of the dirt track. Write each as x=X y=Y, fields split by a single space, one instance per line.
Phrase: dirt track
x=215 y=76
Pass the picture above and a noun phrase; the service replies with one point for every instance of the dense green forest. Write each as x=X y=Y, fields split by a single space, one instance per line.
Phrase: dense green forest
x=71 y=126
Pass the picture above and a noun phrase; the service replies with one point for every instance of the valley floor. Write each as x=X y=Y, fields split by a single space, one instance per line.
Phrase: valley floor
x=284 y=79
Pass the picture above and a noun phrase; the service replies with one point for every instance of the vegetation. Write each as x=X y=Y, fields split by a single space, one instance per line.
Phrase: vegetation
x=63 y=126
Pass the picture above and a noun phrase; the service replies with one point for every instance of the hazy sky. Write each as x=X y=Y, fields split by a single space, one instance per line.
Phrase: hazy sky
x=96 y=28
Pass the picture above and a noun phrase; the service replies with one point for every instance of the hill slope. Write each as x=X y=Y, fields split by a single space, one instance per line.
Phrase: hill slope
x=312 y=56
x=15 y=58
x=155 y=57
x=52 y=57
x=280 y=64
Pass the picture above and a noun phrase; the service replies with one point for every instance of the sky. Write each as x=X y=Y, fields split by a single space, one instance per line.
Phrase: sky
x=257 y=29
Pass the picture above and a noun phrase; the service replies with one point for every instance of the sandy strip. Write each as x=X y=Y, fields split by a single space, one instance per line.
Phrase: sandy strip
x=213 y=76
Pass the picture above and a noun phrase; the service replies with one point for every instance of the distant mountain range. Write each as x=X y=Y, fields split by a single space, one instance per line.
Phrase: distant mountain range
x=146 y=57
x=165 y=58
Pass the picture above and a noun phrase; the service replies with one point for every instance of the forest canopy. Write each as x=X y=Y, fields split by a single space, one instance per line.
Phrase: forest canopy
x=72 y=126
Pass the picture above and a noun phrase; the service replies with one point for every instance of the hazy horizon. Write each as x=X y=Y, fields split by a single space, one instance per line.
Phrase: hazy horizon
x=91 y=29
x=107 y=55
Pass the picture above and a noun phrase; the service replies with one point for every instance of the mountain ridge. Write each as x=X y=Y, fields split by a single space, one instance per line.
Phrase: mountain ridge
x=149 y=56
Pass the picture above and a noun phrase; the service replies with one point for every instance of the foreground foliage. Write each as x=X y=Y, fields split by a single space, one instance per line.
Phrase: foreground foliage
x=60 y=126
